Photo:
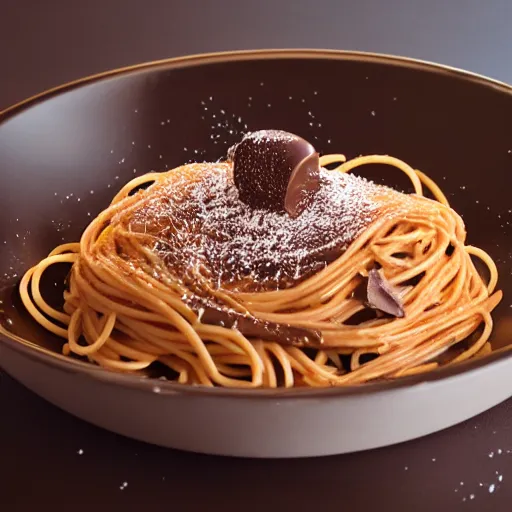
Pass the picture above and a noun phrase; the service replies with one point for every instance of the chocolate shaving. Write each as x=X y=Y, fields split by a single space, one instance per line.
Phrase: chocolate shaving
x=384 y=296
x=215 y=314
x=252 y=327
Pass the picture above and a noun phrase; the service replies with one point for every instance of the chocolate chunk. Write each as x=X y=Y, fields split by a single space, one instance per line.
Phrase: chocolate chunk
x=252 y=327
x=384 y=296
x=276 y=171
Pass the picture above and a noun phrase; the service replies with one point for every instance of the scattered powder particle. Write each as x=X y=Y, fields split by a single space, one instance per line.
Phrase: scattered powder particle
x=80 y=452
x=491 y=488
x=491 y=455
x=500 y=478
x=406 y=468
x=433 y=460
x=373 y=112
x=233 y=241
x=156 y=389
x=471 y=496
x=500 y=451
x=462 y=483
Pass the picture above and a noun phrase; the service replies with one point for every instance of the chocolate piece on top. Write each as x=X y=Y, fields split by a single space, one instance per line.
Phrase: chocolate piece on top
x=276 y=171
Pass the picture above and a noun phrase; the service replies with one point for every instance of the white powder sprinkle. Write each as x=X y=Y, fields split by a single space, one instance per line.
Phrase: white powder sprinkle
x=491 y=488
x=233 y=241
x=80 y=452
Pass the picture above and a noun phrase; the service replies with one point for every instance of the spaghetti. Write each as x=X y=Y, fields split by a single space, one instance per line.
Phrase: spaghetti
x=142 y=283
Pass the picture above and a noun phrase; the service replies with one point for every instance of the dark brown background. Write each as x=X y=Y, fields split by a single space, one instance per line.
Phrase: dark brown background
x=43 y=44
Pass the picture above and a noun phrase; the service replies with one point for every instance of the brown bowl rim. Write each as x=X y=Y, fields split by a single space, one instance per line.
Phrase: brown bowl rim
x=63 y=363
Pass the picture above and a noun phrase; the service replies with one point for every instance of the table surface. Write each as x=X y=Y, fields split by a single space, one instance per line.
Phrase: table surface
x=47 y=456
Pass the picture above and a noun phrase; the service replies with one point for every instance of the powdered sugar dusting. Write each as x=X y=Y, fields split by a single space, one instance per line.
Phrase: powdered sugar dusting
x=199 y=221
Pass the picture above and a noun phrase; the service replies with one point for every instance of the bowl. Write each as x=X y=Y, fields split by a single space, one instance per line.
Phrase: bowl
x=66 y=152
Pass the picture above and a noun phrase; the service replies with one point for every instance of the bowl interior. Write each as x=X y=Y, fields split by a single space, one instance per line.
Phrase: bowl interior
x=64 y=155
